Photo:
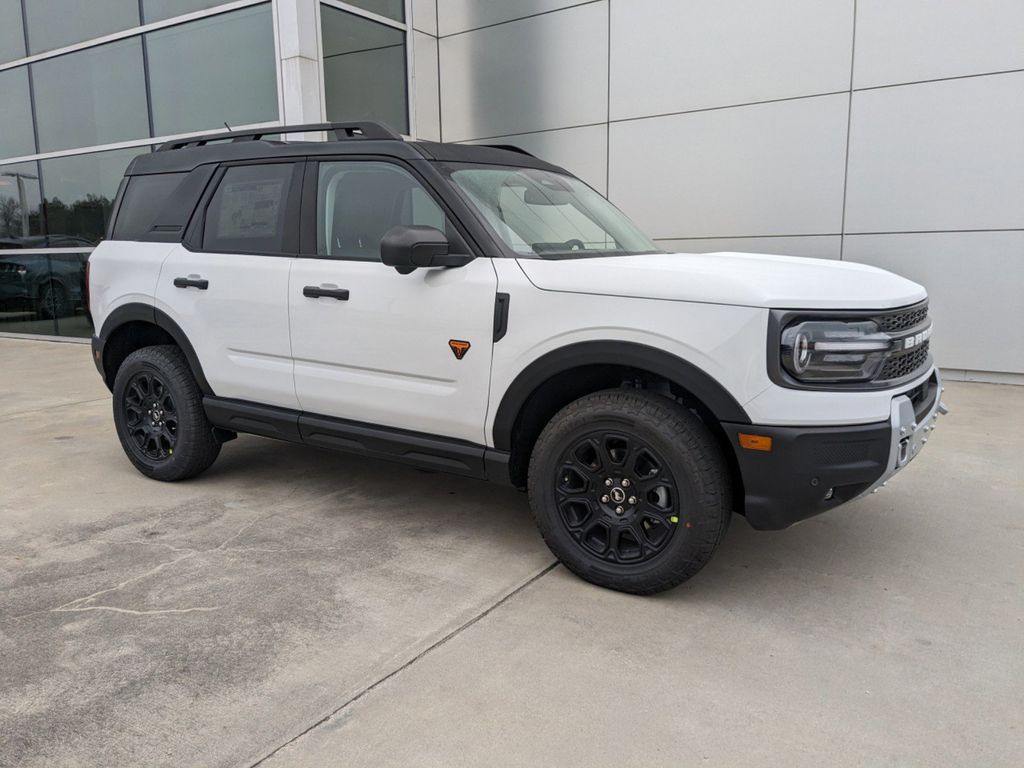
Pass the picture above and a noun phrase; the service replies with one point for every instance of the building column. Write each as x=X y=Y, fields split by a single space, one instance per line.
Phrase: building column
x=299 y=62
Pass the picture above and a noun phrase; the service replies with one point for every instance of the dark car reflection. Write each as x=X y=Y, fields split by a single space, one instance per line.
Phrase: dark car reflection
x=48 y=285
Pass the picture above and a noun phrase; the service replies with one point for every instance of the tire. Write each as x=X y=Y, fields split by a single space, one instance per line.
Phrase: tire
x=629 y=490
x=54 y=301
x=159 y=416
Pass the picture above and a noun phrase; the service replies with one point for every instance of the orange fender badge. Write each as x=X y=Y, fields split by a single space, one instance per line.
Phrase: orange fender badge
x=459 y=348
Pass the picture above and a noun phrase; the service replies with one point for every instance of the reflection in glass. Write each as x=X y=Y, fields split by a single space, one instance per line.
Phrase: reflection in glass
x=95 y=96
x=364 y=70
x=15 y=114
x=21 y=223
x=56 y=23
x=64 y=297
x=80 y=192
x=213 y=71
x=43 y=293
x=158 y=10
x=393 y=9
x=12 y=35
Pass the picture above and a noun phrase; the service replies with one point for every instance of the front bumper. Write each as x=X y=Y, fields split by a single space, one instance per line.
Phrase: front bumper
x=810 y=470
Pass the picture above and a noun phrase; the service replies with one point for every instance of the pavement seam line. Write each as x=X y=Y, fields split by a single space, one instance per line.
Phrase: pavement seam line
x=405 y=665
x=15 y=415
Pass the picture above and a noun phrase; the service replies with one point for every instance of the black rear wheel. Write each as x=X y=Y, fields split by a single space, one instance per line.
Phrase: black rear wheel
x=629 y=490
x=158 y=412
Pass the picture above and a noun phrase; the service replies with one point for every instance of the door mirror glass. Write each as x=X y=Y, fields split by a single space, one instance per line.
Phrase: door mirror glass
x=409 y=246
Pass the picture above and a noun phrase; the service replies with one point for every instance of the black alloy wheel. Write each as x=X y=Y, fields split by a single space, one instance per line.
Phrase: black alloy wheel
x=159 y=415
x=151 y=417
x=617 y=497
x=630 y=490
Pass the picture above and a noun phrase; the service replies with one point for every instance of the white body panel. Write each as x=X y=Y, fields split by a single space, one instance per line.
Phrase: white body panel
x=238 y=326
x=122 y=273
x=728 y=342
x=743 y=279
x=382 y=356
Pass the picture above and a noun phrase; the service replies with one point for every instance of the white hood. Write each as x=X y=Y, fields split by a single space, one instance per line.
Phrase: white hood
x=753 y=280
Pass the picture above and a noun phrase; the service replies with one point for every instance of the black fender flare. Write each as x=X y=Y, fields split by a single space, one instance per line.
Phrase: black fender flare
x=147 y=313
x=684 y=374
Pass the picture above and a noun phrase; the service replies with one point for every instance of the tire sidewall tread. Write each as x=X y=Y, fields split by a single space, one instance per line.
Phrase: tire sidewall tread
x=697 y=466
x=196 y=448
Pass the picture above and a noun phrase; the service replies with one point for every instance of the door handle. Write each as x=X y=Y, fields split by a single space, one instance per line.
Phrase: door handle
x=191 y=282
x=316 y=292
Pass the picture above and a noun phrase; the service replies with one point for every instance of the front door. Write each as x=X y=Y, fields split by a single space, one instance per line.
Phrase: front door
x=229 y=292
x=370 y=345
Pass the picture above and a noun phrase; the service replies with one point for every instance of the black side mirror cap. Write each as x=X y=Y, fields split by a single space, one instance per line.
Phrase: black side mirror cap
x=412 y=246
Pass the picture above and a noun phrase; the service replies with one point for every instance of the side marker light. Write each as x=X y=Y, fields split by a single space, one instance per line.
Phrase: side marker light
x=755 y=442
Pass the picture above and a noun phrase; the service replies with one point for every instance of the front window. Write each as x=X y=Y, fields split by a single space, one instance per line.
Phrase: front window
x=540 y=213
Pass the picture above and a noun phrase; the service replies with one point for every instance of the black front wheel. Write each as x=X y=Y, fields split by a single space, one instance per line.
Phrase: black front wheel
x=629 y=490
x=158 y=412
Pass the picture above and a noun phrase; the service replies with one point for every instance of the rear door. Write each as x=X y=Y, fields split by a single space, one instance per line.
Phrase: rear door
x=370 y=345
x=227 y=285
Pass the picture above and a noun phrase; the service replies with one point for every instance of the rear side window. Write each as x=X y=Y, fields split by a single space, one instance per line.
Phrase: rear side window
x=143 y=198
x=247 y=213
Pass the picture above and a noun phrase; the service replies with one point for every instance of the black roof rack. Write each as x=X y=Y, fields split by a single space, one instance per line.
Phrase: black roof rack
x=341 y=131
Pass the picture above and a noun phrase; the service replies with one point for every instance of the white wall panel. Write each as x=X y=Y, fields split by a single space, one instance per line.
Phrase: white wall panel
x=671 y=56
x=426 y=101
x=809 y=246
x=910 y=40
x=544 y=72
x=424 y=16
x=768 y=169
x=938 y=156
x=974 y=280
x=581 y=151
x=460 y=15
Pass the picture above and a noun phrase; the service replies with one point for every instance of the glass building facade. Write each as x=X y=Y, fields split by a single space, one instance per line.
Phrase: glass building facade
x=87 y=86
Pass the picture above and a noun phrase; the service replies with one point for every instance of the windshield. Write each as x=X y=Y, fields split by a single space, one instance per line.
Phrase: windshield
x=540 y=213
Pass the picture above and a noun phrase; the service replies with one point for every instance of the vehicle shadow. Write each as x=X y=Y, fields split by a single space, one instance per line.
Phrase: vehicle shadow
x=860 y=541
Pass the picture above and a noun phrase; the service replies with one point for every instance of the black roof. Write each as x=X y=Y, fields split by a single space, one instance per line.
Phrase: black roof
x=364 y=138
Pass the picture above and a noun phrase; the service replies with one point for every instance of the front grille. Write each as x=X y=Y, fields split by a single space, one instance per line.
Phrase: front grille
x=903 y=365
x=903 y=319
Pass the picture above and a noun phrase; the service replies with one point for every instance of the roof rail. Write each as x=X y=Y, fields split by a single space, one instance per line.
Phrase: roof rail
x=509 y=148
x=341 y=131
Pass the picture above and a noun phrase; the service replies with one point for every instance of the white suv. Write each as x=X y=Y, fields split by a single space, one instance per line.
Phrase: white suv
x=475 y=310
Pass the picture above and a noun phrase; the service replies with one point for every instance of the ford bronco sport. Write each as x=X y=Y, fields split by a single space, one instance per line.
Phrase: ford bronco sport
x=476 y=310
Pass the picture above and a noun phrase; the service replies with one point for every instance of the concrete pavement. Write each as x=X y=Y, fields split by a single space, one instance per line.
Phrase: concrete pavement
x=299 y=608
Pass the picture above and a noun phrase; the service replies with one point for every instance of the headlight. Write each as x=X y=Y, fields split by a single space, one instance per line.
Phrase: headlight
x=833 y=351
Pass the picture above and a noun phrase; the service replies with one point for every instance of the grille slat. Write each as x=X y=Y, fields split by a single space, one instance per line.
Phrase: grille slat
x=900 y=321
x=903 y=365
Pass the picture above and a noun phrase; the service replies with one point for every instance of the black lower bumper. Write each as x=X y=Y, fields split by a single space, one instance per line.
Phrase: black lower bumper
x=809 y=470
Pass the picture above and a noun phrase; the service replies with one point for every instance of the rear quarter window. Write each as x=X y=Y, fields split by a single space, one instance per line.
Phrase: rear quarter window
x=143 y=199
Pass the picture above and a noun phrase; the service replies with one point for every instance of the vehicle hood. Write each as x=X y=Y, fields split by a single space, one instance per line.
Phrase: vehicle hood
x=747 y=279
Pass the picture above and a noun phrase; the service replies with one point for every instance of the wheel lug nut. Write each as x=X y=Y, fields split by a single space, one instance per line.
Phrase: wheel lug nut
x=608 y=481
x=632 y=499
x=605 y=498
x=618 y=510
x=625 y=482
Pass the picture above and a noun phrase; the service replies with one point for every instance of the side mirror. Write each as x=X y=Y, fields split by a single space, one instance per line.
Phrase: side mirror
x=409 y=246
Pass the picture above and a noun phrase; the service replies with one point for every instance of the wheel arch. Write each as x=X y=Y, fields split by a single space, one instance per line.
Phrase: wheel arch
x=557 y=378
x=136 y=325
